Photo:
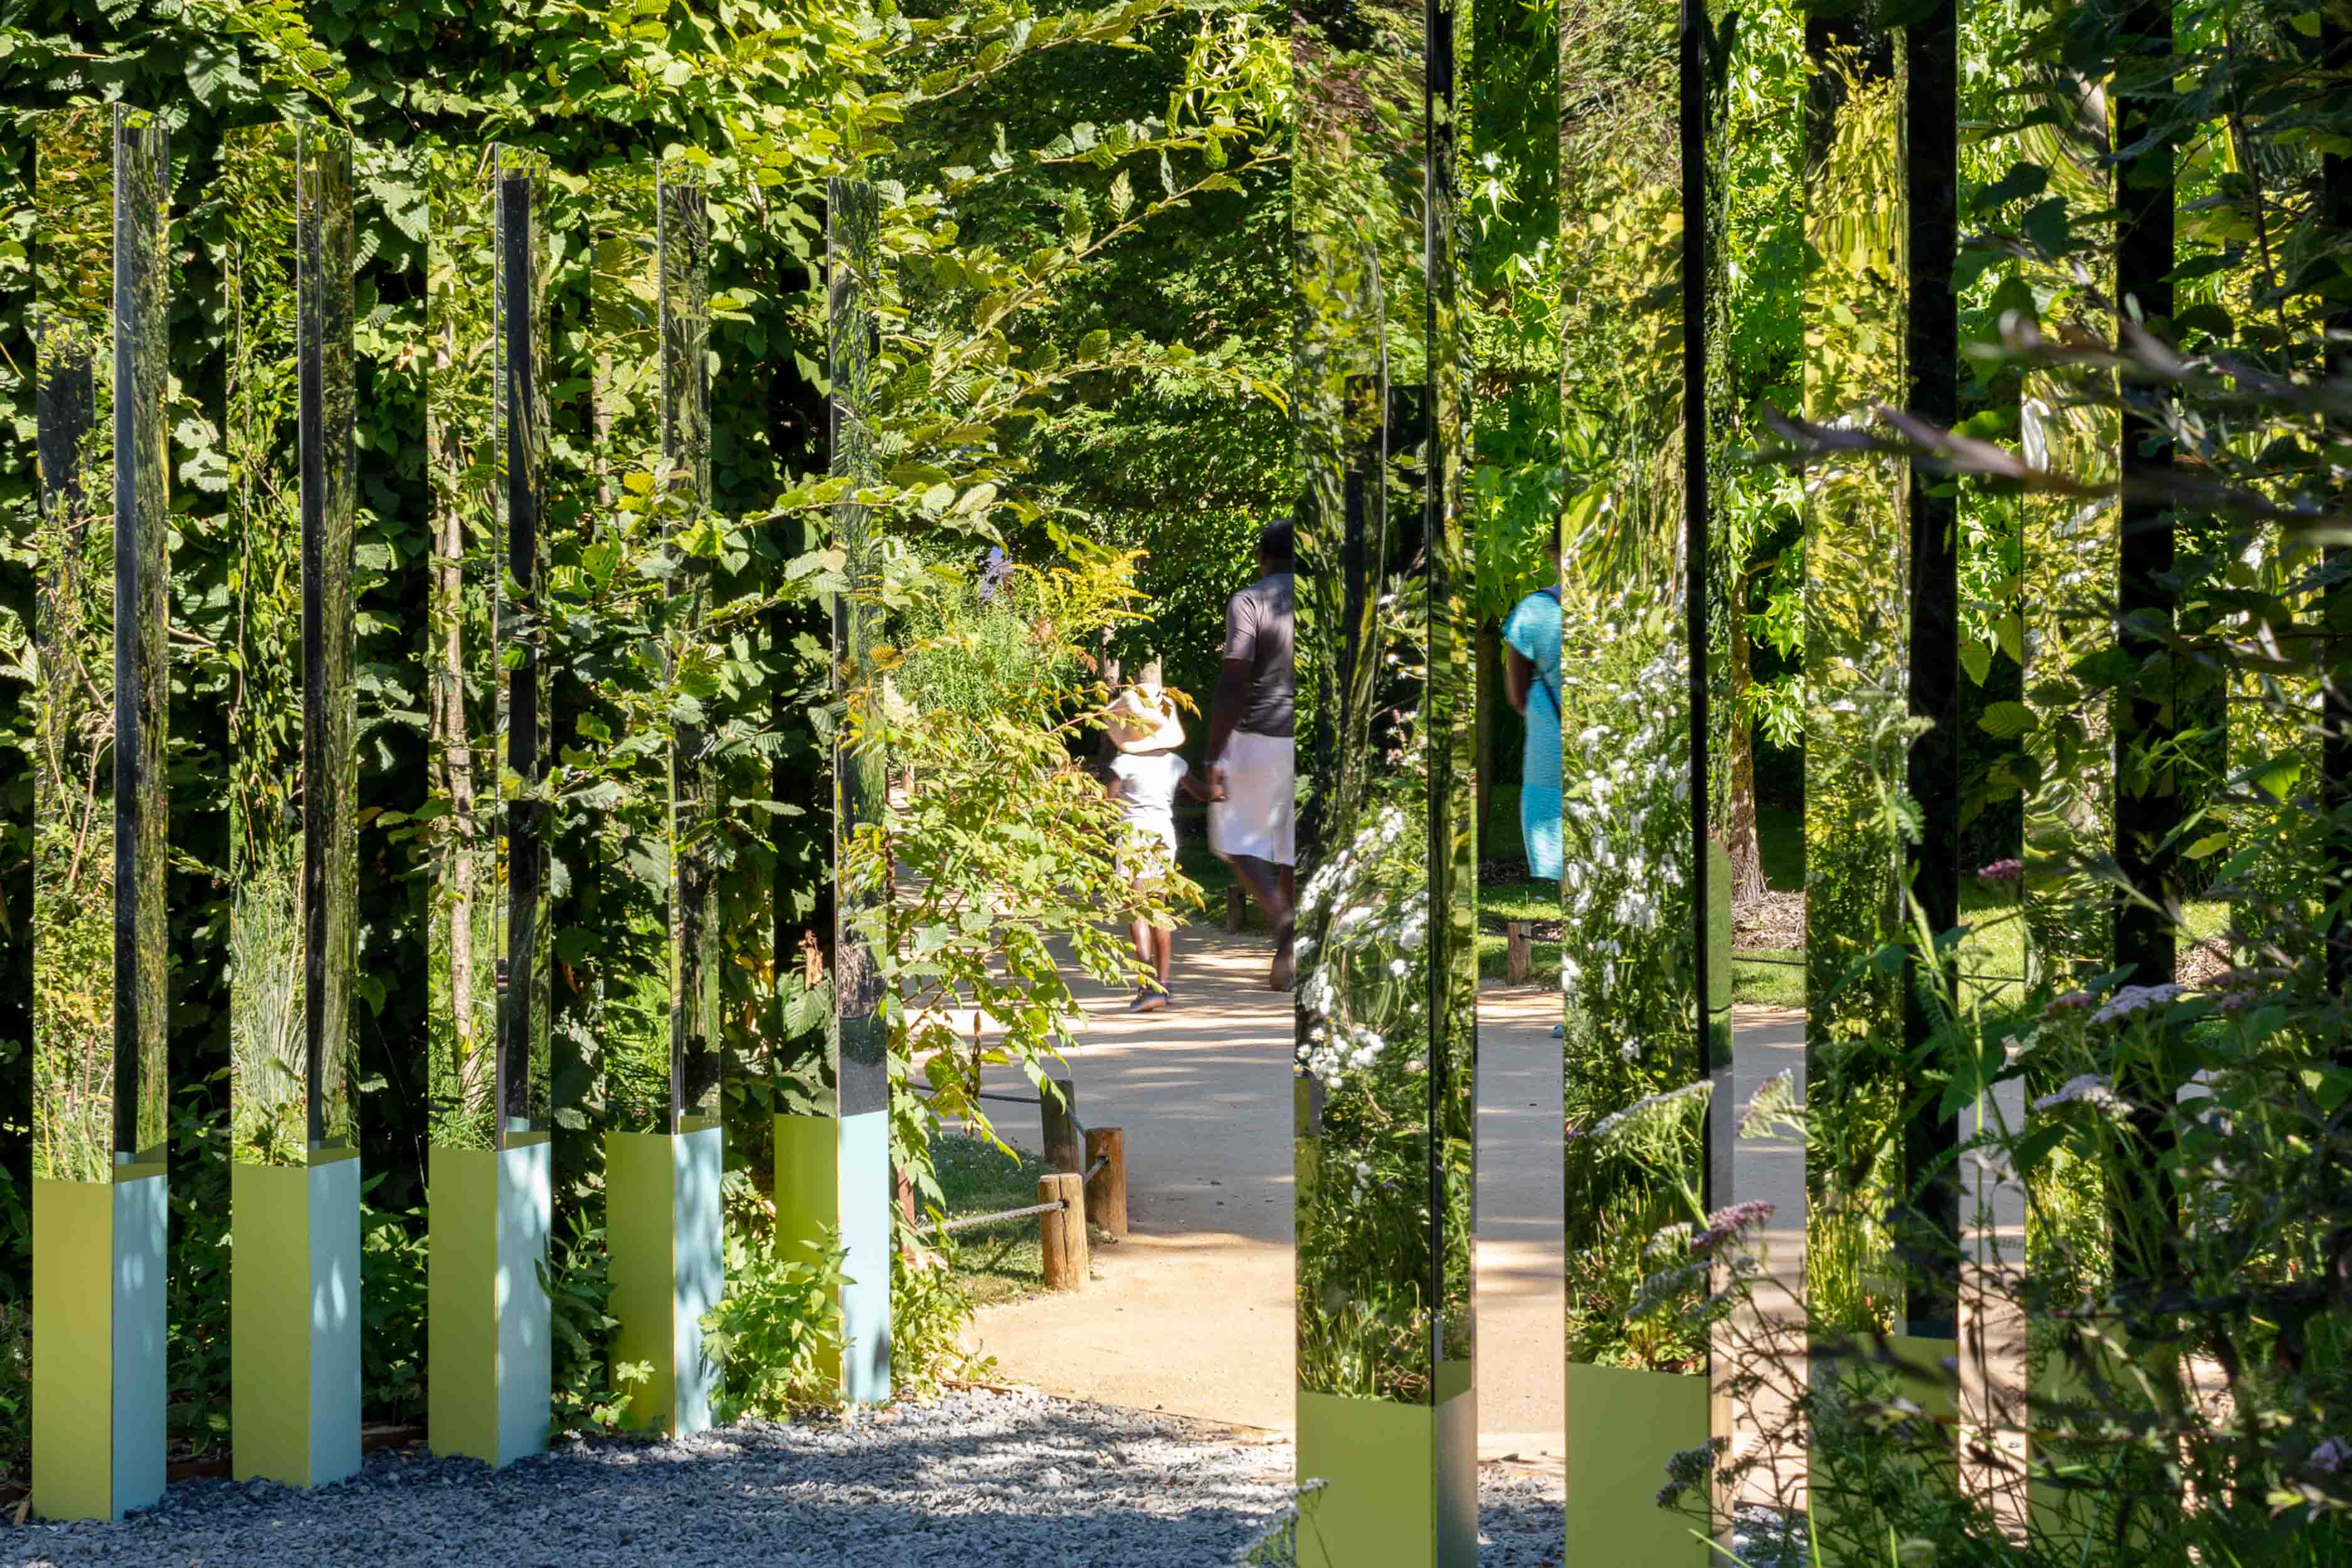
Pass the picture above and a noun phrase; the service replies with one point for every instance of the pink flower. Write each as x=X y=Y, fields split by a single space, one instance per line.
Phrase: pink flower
x=2072 y=1001
x=2009 y=870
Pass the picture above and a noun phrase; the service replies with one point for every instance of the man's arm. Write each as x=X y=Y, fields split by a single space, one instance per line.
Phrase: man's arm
x=1224 y=712
x=1518 y=677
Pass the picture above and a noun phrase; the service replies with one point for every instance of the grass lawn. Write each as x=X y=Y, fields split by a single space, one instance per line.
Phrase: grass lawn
x=1003 y=1261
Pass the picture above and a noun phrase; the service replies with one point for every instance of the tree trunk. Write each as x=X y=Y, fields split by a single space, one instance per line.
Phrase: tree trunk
x=1740 y=840
x=1490 y=683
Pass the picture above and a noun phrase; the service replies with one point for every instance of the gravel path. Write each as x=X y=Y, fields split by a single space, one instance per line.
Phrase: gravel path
x=976 y=1479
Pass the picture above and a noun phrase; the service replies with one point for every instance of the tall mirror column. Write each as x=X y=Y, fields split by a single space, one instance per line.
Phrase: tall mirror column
x=294 y=1192
x=489 y=1379
x=100 y=813
x=833 y=1160
x=662 y=1139
x=1385 y=684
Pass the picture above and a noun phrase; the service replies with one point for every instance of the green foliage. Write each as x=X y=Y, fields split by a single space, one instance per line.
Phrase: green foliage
x=773 y=1337
x=15 y=1391
x=591 y=1393
x=1005 y=854
x=1006 y=341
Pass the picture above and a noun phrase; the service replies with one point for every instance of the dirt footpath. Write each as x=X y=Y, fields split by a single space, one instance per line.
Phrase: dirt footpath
x=1193 y=1313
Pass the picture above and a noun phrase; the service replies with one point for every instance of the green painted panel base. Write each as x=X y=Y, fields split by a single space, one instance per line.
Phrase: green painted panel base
x=99 y=1373
x=488 y=1338
x=833 y=1189
x=1393 y=1490
x=1623 y=1424
x=663 y=1229
x=1931 y=1379
x=294 y=1321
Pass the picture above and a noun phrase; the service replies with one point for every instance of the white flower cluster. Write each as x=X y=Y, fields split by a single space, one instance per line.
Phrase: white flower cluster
x=2090 y=1088
x=2134 y=999
x=1626 y=826
x=1361 y=987
x=1648 y=1106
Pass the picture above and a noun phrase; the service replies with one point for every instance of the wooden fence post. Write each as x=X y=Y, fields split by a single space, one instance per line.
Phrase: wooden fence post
x=1064 y=1231
x=1059 y=1119
x=1107 y=1188
x=1518 y=954
x=1236 y=906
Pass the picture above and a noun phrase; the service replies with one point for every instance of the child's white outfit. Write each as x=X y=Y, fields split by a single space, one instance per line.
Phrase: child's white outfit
x=1147 y=797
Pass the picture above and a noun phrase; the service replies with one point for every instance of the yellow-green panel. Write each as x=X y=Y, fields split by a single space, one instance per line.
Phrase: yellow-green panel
x=73 y=1349
x=269 y=1321
x=1378 y=1460
x=1929 y=1379
x=808 y=1193
x=639 y=1188
x=1623 y=1424
x=461 y=1379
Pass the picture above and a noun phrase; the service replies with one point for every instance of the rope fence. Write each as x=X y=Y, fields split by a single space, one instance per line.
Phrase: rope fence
x=1057 y=1206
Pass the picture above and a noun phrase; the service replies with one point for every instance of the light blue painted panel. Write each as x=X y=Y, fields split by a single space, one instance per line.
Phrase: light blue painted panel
x=525 y=1335
x=697 y=1253
x=1456 y=1460
x=866 y=1193
x=141 y=1377
x=334 y=1320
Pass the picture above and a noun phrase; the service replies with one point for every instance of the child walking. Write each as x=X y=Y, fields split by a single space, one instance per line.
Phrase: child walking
x=1144 y=778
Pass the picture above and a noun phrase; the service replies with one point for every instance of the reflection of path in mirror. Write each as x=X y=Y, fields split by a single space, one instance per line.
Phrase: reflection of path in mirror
x=1772 y=1040
x=1193 y=1312
x=1766 y=1041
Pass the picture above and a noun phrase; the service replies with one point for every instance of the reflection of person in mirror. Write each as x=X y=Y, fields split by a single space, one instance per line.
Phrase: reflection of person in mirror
x=1531 y=676
x=1531 y=679
x=1251 y=764
x=1145 y=775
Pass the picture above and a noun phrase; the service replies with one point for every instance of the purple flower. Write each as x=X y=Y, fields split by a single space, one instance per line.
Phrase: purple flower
x=2331 y=1455
x=1727 y=1225
x=2072 y=1001
x=2009 y=870
x=995 y=574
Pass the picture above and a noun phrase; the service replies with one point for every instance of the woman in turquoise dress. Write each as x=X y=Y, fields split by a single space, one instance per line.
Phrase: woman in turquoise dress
x=1531 y=676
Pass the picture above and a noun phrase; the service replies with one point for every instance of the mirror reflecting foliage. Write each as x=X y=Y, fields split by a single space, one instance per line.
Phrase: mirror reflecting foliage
x=1857 y=719
x=100 y=821
x=650 y=335
x=486 y=438
x=1386 y=959
x=1635 y=1095
x=286 y=194
x=857 y=1065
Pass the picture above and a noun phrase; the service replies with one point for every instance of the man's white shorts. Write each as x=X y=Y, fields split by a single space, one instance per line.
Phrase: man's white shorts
x=1254 y=817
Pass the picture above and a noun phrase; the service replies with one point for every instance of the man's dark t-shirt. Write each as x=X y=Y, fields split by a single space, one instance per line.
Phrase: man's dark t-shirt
x=1257 y=631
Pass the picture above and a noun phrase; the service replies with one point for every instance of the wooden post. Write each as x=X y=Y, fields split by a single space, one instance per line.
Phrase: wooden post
x=1064 y=1231
x=1516 y=956
x=1236 y=906
x=1059 y=1118
x=1107 y=1188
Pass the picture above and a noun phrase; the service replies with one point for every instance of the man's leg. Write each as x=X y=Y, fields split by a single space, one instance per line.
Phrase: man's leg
x=1270 y=886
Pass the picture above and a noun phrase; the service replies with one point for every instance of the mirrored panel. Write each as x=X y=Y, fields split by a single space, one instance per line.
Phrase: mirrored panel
x=650 y=343
x=2068 y=424
x=1386 y=966
x=1856 y=612
x=1636 y=1088
x=859 y=1067
x=488 y=676
x=99 y=809
x=293 y=706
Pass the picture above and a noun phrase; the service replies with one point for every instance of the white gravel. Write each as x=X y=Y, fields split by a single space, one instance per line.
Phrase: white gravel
x=975 y=1480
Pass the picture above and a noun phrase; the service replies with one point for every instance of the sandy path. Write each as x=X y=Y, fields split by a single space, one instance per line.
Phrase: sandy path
x=1193 y=1313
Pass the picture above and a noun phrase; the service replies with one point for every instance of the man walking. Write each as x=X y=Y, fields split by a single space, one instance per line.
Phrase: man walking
x=1251 y=762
